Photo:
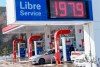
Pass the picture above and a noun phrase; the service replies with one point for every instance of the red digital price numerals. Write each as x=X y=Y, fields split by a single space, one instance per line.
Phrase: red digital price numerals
x=76 y=7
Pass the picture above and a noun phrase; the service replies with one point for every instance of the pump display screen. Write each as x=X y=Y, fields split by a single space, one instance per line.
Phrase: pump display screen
x=68 y=9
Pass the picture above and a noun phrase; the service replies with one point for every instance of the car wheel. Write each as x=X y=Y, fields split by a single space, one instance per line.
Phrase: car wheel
x=42 y=61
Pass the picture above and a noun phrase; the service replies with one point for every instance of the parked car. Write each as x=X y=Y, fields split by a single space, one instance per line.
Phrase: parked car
x=80 y=61
x=46 y=57
x=75 y=54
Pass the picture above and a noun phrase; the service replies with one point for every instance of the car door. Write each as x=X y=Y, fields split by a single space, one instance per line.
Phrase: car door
x=53 y=55
x=49 y=56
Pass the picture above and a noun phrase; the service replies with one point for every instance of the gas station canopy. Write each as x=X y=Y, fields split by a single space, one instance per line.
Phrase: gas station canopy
x=11 y=29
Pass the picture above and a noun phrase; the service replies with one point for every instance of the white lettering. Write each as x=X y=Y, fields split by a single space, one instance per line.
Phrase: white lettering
x=38 y=6
x=23 y=13
x=28 y=5
x=21 y=5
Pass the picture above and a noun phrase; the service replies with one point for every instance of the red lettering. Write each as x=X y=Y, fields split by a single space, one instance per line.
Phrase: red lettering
x=79 y=8
x=56 y=8
x=62 y=8
x=76 y=7
x=73 y=7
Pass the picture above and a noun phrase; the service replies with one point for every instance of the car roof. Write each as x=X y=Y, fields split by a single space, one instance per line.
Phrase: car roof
x=60 y=47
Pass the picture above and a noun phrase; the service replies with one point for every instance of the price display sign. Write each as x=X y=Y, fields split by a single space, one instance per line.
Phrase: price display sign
x=53 y=10
x=69 y=9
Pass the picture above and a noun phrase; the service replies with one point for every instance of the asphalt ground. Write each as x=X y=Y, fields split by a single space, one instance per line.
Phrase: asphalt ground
x=11 y=64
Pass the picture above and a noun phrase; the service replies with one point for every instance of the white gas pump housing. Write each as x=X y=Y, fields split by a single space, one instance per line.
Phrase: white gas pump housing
x=35 y=46
x=19 y=44
x=64 y=48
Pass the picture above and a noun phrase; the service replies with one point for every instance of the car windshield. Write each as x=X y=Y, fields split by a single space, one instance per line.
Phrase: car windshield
x=49 y=51
x=43 y=52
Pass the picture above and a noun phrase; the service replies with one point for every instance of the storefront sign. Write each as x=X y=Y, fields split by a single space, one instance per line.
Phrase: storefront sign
x=37 y=10
x=29 y=10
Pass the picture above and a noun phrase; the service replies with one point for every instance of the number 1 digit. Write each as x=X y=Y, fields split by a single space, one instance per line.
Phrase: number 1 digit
x=56 y=8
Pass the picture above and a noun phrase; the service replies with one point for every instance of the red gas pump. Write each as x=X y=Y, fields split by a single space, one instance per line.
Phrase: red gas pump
x=56 y=40
x=14 y=48
x=30 y=40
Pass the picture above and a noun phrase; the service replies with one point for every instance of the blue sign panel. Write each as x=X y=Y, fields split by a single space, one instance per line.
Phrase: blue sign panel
x=29 y=10
x=38 y=10
x=22 y=52
x=39 y=49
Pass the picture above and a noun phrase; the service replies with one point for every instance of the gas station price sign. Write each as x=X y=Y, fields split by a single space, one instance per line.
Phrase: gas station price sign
x=68 y=9
x=53 y=10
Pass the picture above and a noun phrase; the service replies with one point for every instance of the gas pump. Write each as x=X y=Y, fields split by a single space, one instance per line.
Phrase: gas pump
x=21 y=50
x=14 y=48
x=38 y=45
x=57 y=43
x=68 y=52
x=30 y=40
x=67 y=44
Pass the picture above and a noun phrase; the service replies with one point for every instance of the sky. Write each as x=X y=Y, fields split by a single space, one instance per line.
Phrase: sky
x=96 y=28
x=96 y=21
x=2 y=2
